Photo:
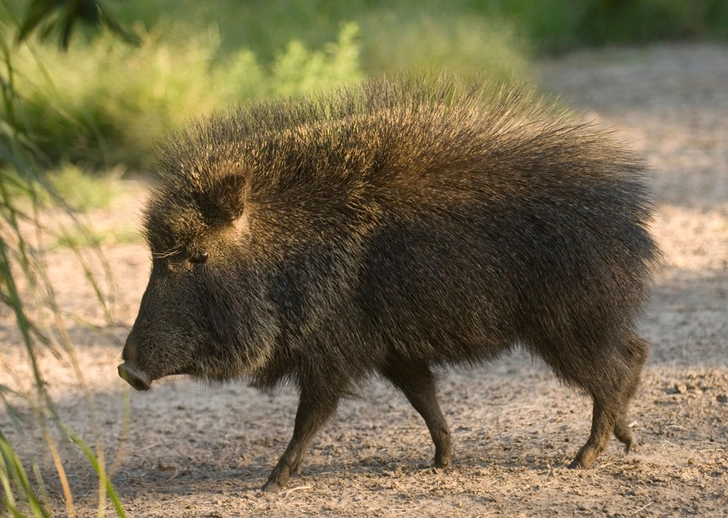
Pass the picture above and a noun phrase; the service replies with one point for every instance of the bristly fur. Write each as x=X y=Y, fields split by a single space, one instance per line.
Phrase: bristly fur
x=374 y=134
x=391 y=227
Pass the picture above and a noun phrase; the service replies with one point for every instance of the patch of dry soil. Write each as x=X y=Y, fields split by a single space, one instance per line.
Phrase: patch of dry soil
x=189 y=450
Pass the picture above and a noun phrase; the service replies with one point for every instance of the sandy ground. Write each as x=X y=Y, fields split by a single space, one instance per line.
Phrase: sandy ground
x=188 y=450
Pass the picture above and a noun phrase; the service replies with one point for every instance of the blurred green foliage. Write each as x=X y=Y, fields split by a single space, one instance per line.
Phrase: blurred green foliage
x=27 y=295
x=61 y=16
x=104 y=102
x=111 y=101
x=265 y=26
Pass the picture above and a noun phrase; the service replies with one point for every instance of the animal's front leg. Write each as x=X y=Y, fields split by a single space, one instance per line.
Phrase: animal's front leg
x=315 y=407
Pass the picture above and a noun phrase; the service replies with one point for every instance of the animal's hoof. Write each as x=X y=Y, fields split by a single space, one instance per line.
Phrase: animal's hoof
x=442 y=463
x=271 y=487
x=576 y=464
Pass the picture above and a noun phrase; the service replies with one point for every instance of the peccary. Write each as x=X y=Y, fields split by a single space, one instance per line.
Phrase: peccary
x=390 y=228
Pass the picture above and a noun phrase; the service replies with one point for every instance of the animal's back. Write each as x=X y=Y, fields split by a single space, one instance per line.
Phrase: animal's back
x=478 y=220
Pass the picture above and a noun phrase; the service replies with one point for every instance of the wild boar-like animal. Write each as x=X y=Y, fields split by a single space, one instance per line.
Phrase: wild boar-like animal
x=390 y=228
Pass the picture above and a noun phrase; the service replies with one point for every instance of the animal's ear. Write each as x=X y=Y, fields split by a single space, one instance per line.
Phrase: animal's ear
x=226 y=197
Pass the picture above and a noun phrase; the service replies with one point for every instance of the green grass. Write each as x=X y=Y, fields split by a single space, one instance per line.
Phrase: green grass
x=78 y=239
x=79 y=190
x=83 y=192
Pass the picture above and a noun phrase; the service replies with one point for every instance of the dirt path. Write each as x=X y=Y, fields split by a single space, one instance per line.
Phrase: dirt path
x=198 y=451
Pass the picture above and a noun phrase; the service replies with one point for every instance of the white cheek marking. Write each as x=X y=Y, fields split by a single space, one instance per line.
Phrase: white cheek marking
x=242 y=224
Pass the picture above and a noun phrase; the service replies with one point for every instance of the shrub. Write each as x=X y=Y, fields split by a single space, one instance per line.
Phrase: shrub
x=105 y=102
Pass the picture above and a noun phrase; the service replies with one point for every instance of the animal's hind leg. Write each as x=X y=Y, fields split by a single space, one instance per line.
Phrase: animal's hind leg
x=417 y=383
x=611 y=401
x=604 y=419
x=638 y=348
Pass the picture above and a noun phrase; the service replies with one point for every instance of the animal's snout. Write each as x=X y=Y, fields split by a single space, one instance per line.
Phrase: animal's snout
x=134 y=377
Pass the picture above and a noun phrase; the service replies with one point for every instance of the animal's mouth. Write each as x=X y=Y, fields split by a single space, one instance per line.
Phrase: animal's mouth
x=134 y=377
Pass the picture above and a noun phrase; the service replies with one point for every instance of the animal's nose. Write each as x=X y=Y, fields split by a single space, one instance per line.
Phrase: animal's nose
x=134 y=377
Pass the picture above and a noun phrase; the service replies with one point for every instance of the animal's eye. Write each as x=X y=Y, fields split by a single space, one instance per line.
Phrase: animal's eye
x=199 y=258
